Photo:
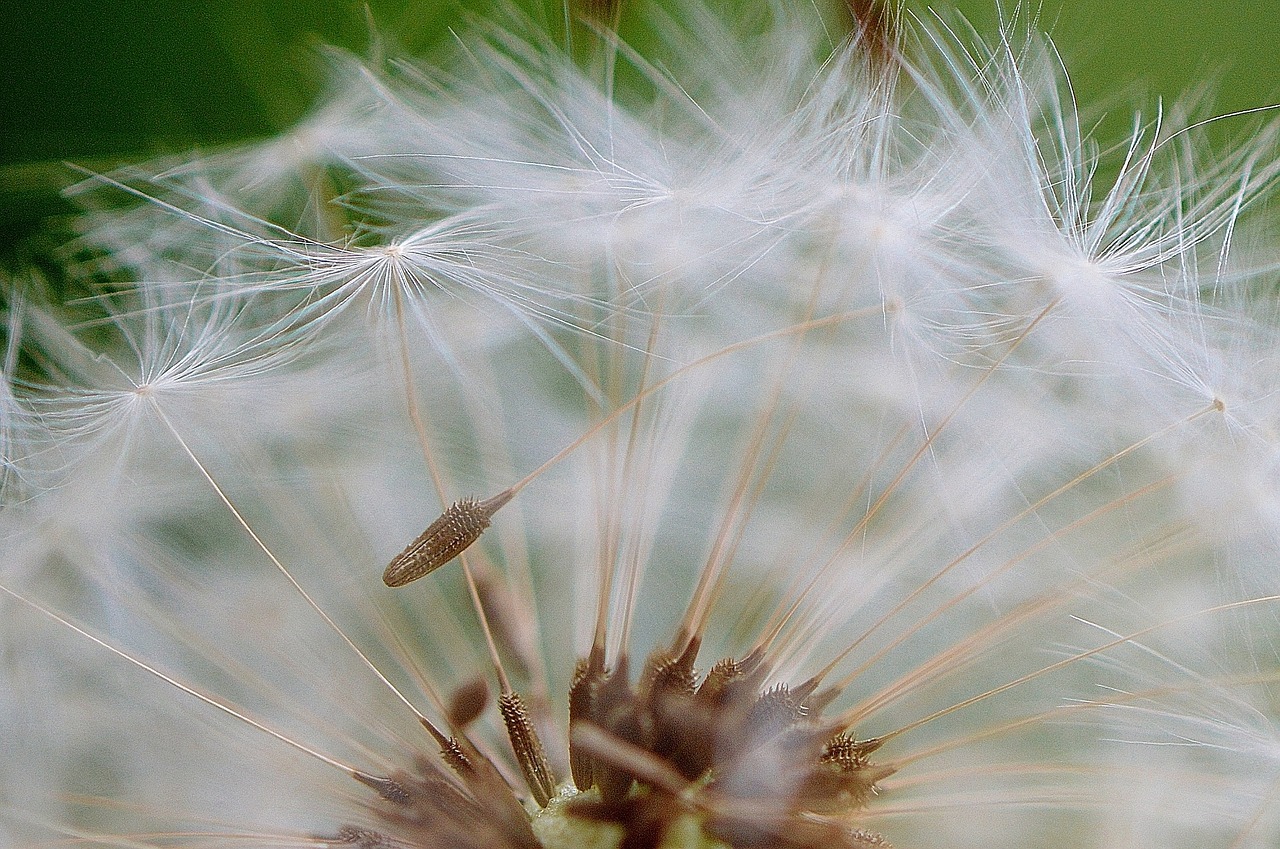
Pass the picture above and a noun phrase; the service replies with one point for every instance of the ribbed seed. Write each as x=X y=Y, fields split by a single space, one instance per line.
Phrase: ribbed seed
x=444 y=539
x=850 y=753
x=582 y=696
x=388 y=788
x=528 y=748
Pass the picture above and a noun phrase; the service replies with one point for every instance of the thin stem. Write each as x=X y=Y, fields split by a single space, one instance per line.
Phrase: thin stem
x=240 y=519
x=1076 y=658
x=1008 y=523
x=419 y=424
x=174 y=682
x=685 y=369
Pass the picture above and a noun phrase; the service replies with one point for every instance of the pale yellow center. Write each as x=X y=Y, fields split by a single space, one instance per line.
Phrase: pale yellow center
x=556 y=829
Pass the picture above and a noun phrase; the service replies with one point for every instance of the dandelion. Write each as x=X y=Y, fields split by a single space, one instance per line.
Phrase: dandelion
x=753 y=440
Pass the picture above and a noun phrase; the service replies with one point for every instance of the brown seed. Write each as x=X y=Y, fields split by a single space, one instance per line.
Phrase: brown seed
x=863 y=839
x=587 y=677
x=467 y=703
x=666 y=672
x=456 y=759
x=722 y=674
x=774 y=712
x=444 y=539
x=850 y=753
x=360 y=838
x=528 y=748
x=388 y=788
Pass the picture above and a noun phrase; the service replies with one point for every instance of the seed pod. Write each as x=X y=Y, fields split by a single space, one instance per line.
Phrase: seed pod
x=444 y=539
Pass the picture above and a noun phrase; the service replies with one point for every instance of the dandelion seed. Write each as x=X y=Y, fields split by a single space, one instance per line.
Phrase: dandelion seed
x=444 y=539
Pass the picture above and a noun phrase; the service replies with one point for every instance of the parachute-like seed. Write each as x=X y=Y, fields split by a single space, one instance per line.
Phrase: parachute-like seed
x=773 y=299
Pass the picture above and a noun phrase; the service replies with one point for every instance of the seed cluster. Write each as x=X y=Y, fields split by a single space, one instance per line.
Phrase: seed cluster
x=747 y=765
x=758 y=766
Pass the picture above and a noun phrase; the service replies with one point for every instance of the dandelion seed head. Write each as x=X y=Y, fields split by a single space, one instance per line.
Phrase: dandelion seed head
x=855 y=466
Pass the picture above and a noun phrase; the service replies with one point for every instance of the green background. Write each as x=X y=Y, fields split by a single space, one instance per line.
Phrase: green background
x=99 y=83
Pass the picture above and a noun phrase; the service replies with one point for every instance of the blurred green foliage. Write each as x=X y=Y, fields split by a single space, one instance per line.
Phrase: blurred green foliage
x=99 y=83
